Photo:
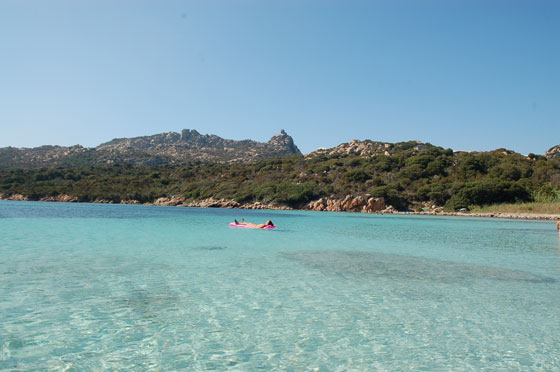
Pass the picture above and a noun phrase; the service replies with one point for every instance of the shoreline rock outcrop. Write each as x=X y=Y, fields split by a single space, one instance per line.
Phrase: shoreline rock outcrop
x=18 y=197
x=178 y=201
x=350 y=204
x=60 y=198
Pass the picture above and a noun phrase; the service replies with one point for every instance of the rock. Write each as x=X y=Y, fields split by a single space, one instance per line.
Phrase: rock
x=354 y=147
x=389 y=209
x=132 y=201
x=163 y=148
x=103 y=201
x=375 y=204
x=170 y=202
x=318 y=205
x=284 y=142
x=366 y=148
x=60 y=198
x=553 y=152
x=16 y=197
x=357 y=203
x=348 y=204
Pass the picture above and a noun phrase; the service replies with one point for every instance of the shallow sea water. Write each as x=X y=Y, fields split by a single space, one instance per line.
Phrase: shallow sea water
x=87 y=287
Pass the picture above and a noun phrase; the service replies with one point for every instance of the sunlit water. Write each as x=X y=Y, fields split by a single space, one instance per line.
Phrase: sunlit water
x=88 y=287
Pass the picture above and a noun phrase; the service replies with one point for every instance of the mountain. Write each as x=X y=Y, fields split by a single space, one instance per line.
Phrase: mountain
x=553 y=152
x=164 y=148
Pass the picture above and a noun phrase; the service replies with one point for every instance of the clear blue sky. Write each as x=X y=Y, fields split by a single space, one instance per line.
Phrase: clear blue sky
x=469 y=75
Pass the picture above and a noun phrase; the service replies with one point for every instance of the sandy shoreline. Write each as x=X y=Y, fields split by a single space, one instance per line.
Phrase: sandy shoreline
x=515 y=216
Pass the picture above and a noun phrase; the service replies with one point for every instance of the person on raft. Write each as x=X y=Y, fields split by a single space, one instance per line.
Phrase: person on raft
x=258 y=226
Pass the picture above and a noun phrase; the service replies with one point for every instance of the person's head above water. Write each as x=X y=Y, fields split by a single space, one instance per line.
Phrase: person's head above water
x=269 y=223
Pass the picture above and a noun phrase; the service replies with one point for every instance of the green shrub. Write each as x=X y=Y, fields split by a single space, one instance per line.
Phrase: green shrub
x=546 y=194
x=356 y=176
x=392 y=196
x=486 y=192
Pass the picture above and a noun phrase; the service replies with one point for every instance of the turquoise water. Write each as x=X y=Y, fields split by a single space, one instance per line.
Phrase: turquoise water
x=87 y=287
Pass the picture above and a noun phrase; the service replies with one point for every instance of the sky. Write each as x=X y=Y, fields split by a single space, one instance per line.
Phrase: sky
x=471 y=75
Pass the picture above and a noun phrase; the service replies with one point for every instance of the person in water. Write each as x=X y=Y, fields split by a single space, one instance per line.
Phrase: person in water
x=255 y=225
x=558 y=226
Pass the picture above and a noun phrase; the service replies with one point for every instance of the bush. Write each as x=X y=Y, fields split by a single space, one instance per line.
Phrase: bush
x=356 y=176
x=486 y=192
x=391 y=195
x=437 y=194
x=546 y=194
x=294 y=195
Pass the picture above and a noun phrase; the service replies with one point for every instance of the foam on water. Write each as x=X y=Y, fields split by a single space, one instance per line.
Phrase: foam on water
x=134 y=288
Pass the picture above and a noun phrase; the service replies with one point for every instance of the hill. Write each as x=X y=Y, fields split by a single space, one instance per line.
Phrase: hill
x=159 y=149
x=358 y=176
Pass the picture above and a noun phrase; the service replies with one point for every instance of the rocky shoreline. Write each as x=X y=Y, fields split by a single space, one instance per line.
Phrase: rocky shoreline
x=356 y=204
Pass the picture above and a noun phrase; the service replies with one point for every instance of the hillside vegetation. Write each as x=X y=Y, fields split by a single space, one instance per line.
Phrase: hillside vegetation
x=408 y=176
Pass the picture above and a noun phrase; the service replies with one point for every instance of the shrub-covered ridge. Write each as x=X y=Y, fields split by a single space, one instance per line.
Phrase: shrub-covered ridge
x=406 y=175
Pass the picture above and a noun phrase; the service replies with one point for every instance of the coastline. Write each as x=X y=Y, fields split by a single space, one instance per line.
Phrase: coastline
x=345 y=205
x=514 y=216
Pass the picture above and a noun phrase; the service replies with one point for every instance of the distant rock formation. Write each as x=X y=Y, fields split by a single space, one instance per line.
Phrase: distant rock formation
x=164 y=148
x=282 y=142
x=369 y=148
x=191 y=145
x=553 y=152
x=43 y=156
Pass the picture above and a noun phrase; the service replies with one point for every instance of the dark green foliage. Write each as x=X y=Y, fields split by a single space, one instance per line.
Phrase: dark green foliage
x=293 y=195
x=486 y=192
x=392 y=195
x=356 y=176
x=436 y=193
x=410 y=175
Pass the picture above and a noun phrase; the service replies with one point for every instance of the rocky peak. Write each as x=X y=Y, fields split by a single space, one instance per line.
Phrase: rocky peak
x=553 y=152
x=284 y=141
x=187 y=134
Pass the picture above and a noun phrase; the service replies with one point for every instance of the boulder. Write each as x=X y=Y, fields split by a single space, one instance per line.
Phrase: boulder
x=17 y=197
x=132 y=201
x=60 y=198
x=348 y=204
x=170 y=202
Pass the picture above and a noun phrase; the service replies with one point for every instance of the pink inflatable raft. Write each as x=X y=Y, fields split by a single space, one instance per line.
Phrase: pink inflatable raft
x=233 y=224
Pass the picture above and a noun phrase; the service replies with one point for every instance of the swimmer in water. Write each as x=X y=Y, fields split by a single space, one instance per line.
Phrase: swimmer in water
x=258 y=226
